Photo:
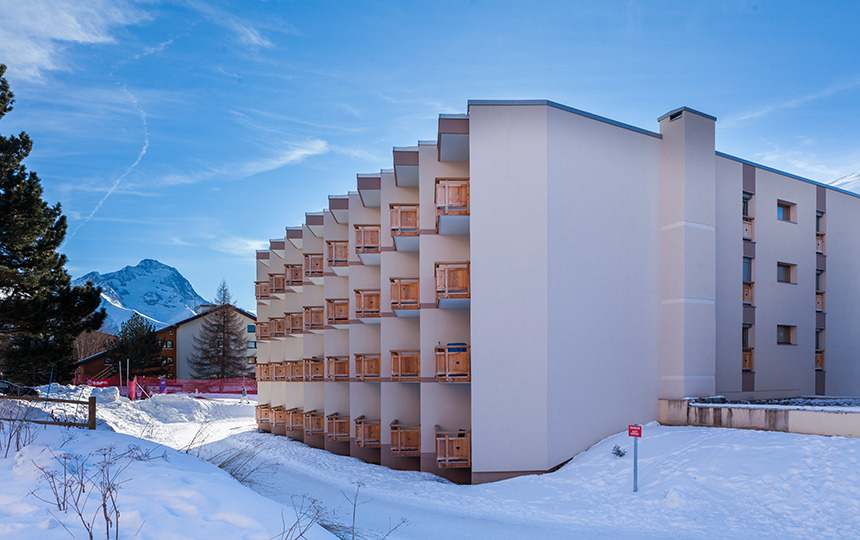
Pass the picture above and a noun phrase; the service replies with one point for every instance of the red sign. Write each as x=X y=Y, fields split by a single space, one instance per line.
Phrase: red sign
x=98 y=382
x=634 y=431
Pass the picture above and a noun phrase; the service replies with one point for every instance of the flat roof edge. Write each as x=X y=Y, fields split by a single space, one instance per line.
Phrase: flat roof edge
x=457 y=116
x=788 y=174
x=546 y=102
x=688 y=109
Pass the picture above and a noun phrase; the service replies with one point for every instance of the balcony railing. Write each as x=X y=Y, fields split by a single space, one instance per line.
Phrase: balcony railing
x=294 y=274
x=261 y=413
x=261 y=290
x=277 y=327
x=367 y=367
x=819 y=359
x=367 y=239
x=367 y=434
x=819 y=301
x=337 y=427
x=337 y=368
x=293 y=323
x=262 y=372
x=404 y=220
x=405 y=439
x=295 y=419
x=261 y=330
x=367 y=303
x=337 y=311
x=337 y=253
x=313 y=423
x=749 y=299
x=452 y=363
x=452 y=197
x=277 y=284
x=280 y=371
x=748 y=359
x=404 y=293
x=819 y=242
x=314 y=318
x=747 y=227
x=313 y=265
x=278 y=417
x=405 y=365
x=295 y=370
x=453 y=448
x=313 y=369
x=452 y=280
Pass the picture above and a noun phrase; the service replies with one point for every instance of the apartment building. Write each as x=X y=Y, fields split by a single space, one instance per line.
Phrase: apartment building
x=536 y=278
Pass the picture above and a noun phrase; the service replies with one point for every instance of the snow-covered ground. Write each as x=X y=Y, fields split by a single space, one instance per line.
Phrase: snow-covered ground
x=696 y=483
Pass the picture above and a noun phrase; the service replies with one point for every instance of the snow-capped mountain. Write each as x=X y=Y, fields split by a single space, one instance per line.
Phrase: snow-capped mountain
x=848 y=183
x=152 y=289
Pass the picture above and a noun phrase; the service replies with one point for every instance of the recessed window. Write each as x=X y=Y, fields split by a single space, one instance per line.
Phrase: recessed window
x=786 y=335
x=250 y=328
x=746 y=207
x=252 y=344
x=786 y=273
x=785 y=211
x=748 y=270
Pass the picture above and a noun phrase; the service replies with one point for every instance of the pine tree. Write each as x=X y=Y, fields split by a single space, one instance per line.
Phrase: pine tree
x=137 y=347
x=220 y=350
x=40 y=312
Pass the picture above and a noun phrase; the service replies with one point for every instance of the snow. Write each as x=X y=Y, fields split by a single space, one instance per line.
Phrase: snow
x=694 y=483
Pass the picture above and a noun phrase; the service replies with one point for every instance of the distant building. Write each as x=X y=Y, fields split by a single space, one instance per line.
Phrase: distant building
x=177 y=347
x=537 y=278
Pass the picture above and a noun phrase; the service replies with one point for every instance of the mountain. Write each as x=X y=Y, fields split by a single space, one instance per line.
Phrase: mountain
x=152 y=289
x=848 y=183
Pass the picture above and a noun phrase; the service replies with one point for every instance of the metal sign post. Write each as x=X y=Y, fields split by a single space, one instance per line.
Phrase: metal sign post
x=635 y=431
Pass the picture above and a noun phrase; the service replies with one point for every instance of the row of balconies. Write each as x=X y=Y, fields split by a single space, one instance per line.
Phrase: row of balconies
x=453 y=448
x=452 y=365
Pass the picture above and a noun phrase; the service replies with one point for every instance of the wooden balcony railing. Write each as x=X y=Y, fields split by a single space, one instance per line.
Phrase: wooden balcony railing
x=452 y=363
x=277 y=327
x=405 y=365
x=367 y=303
x=280 y=372
x=405 y=439
x=748 y=359
x=314 y=318
x=337 y=427
x=452 y=197
x=819 y=242
x=314 y=369
x=337 y=311
x=367 y=367
x=819 y=359
x=278 y=416
x=404 y=293
x=261 y=290
x=404 y=220
x=453 y=448
x=819 y=301
x=294 y=274
x=261 y=372
x=261 y=330
x=313 y=423
x=367 y=239
x=261 y=413
x=313 y=265
x=749 y=299
x=295 y=370
x=367 y=433
x=277 y=284
x=452 y=280
x=337 y=252
x=293 y=323
x=337 y=368
x=295 y=419
x=747 y=227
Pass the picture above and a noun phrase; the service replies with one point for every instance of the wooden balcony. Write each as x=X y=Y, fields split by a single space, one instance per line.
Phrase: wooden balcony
x=405 y=439
x=367 y=433
x=337 y=368
x=277 y=284
x=453 y=448
x=293 y=323
x=819 y=301
x=261 y=290
x=367 y=244
x=294 y=275
x=278 y=416
x=747 y=228
x=280 y=372
x=404 y=220
x=367 y=367
x=452 y=206
x=453 y=287
x=748 y=359
x=819 y=359
x=404 y=294
x=337 y=427
x=452 y=363
x=313 y=423
x=262 y=372
x=337 y=253
x=261 y=413
x=277 y=327
x=313 y=369
x=819 y=242
x=314 y=318
x=367 y=303
x=261 y=331
x=295 y=419
x=295 y=370
x=406 y=366
x=313 y=267
x=337 y=311
x=748 y=297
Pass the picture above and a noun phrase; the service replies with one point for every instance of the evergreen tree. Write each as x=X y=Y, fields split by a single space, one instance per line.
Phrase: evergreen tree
x=40 y=312
x=220 y=350
x=137 y=346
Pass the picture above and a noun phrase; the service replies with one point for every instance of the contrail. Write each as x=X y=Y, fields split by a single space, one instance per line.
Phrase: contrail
x=127 y=171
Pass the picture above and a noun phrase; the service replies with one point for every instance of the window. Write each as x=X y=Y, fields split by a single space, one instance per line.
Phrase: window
x=748 y=270
x=819 y=339
x=746 y=207
x=166 y=344
x=250 y=328
x=819 y=222
x=786 y=335
x=745 y=336
x=252 y=360
x=785 y=273
x=785 y=211
x=819 y=281
x=252 y=344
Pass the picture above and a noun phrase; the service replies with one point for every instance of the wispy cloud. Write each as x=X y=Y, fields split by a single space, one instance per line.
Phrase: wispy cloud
x=237 y=245
x=34 y=33
x=741 y=118
x=797 y=161
x=245 y=32
x=152 y=50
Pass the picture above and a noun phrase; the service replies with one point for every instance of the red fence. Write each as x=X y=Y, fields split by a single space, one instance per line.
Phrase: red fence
x=189 y=386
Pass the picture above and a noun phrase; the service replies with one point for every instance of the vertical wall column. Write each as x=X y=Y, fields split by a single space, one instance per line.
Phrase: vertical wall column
x=688 y=255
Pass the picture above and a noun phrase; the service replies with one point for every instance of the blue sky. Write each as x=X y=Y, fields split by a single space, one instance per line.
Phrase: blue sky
x=193 y=131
